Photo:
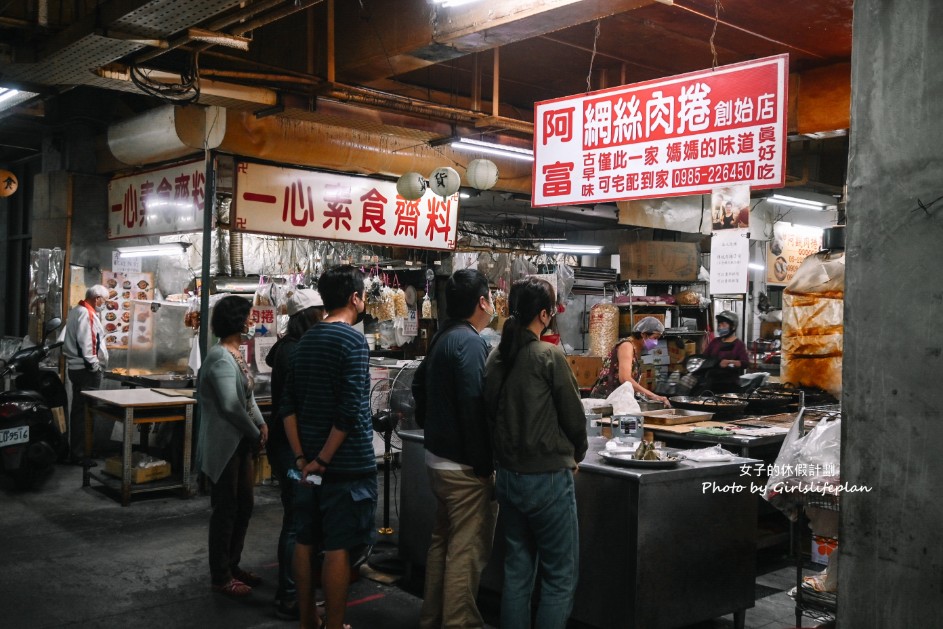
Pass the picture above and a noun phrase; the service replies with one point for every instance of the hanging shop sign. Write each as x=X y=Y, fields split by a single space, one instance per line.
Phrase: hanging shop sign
x=329 y=206
x=157 y=202
x=730 y=261
x=681 y=135
x=791 y=244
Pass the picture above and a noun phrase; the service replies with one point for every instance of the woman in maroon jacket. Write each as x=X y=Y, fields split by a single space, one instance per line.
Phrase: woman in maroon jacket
x=731 y=352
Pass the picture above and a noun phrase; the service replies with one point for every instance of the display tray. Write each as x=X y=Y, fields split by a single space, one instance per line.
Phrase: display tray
x=153 y=380
x=629 y=460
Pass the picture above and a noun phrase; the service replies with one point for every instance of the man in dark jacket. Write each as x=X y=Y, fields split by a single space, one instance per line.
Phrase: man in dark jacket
x=448 y=390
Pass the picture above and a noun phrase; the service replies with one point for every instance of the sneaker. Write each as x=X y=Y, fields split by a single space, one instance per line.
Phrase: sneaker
x=287 y=609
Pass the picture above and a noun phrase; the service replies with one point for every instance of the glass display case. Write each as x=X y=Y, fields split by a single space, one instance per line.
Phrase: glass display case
x=159 y=344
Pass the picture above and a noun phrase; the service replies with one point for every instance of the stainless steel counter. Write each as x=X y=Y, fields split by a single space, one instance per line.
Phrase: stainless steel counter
x=656 y=549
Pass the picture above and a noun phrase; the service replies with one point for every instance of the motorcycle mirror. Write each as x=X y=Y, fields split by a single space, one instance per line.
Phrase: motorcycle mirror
x=51 y=326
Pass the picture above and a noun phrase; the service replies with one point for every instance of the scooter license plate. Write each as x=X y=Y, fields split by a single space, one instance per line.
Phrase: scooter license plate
x=13 y=436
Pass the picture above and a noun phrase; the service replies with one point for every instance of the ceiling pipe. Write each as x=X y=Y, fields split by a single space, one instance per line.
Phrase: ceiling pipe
x=292 y=141
x=167 y=132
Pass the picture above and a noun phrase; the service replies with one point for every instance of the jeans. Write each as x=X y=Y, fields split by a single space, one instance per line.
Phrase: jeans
x=540 y=526
x=82 y=380
x=461 y=546
x=232 y=498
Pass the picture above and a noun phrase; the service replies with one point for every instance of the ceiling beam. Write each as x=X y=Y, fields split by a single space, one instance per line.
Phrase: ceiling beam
x=396 y=38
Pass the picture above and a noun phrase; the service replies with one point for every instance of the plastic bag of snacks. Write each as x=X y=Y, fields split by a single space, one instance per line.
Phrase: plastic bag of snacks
x=603 y=329
x=426 y=307
x=400 y=308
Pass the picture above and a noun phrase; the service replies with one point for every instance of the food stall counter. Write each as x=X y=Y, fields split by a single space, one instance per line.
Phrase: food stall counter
x=647 y=536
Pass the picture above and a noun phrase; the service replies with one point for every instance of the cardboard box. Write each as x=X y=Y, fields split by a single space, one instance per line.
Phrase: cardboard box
x=585 y=368
x=138 y=474
x=675 y=353
x=659 y=260
x=628 y=320
x=660 y=354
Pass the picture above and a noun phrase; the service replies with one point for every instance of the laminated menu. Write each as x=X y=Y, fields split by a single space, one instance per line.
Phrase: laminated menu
x=117 y=318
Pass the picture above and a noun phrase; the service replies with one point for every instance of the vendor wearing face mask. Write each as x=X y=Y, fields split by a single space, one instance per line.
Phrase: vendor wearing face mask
x=731 y=352
x=624 y=363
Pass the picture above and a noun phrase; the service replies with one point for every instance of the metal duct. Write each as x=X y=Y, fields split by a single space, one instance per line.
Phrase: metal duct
x=236 y=260
x=223 y=265
x=165 y=133
x=306 y=143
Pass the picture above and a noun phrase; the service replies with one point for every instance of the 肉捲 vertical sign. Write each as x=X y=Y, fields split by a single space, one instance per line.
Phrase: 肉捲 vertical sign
x=330 y=206
x=157 y=202
x=680 y=135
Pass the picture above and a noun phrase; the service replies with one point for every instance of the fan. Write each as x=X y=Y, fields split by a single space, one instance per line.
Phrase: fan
x=393 y=409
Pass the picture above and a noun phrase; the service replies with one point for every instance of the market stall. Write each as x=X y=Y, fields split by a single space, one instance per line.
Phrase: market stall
x=647 y=537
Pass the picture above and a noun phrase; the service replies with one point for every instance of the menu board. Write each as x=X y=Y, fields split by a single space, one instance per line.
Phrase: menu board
x=119 y=328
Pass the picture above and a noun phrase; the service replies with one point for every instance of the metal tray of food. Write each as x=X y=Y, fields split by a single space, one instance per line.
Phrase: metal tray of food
x=627 y=459
x=161 y=381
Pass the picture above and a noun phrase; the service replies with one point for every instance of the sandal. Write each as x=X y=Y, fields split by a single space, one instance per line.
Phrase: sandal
x=249 y=578
x=234 y=588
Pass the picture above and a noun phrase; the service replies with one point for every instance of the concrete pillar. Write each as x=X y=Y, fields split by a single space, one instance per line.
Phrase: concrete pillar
x=892 y=558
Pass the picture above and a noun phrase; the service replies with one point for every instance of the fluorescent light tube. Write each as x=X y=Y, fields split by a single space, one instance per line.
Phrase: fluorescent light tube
x=757 y=267
x=142 y=251
x=591 y=250
x=804 y=204
x=479 y=146
x=6 y=94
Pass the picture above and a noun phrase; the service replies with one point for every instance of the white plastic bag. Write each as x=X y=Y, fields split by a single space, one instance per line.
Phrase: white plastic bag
x=623 y=400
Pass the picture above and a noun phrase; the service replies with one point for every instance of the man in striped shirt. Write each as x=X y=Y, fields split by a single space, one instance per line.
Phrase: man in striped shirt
x=327 y=421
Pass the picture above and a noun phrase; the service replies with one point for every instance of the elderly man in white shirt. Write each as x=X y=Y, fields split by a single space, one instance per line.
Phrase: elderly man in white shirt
x=86 y=357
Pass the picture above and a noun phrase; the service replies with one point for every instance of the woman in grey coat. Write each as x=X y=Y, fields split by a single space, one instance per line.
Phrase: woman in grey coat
x=231 y=428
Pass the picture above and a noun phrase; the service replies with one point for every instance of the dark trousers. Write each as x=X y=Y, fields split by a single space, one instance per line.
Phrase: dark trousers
x=232 y=498
x=82 y=380
x=280 y=456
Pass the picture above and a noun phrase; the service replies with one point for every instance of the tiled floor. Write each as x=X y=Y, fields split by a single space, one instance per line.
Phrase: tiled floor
x=73 y=557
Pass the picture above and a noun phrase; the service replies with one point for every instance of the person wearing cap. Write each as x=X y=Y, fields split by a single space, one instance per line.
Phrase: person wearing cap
x=730 y=351
x=624 y=363
x=86 y=356
x=305 y=309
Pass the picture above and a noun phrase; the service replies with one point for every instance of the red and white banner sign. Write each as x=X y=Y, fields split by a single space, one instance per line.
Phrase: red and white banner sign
x=157 y=202
x=327 y=206
x=682 y=135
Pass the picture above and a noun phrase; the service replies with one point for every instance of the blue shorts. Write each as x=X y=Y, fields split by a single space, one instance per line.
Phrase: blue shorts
x=337 y=514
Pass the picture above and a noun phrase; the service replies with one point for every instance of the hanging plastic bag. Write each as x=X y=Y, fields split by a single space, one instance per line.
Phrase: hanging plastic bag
x=807 y=464
x=623 y=400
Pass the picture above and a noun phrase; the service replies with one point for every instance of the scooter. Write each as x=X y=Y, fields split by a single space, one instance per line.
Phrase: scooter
x=30 y=437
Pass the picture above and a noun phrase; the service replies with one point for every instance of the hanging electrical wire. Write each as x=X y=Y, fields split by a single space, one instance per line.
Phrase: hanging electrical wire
x=589 y=75
x=717 y=7
x=182 y=93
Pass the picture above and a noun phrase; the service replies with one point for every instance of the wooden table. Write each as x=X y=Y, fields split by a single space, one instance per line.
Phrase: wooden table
x=135 y=407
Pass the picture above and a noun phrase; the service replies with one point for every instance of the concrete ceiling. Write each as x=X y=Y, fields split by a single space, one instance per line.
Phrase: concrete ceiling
x=405 y=68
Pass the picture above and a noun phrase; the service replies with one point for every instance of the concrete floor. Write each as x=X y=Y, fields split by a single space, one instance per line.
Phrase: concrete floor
x=73 y=557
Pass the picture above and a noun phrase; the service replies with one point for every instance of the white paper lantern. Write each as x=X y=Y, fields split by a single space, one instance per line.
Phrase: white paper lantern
x=411 y=186
x=481 y=174
x=445 y=181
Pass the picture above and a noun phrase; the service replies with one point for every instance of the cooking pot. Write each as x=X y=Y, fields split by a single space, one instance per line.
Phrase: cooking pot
x=709 y=403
